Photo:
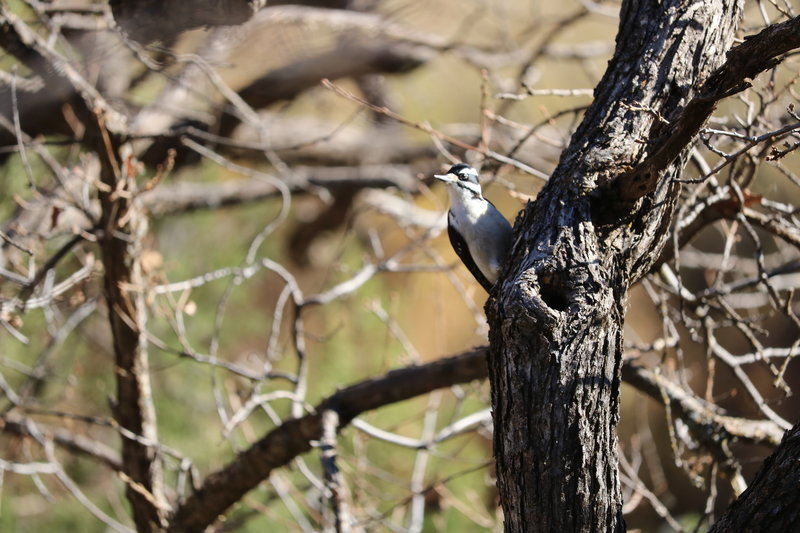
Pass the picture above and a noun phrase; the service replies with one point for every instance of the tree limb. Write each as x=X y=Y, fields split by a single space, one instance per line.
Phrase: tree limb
x=294 y=437
x=556 y=323
x=120 y=233
x=744 y=62
x=149 y=20
x=707 y=422
x=770 y=503
x=223 y=488
x=66 y=439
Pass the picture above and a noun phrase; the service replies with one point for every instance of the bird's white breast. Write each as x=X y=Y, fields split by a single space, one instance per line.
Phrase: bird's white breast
x=481 y=225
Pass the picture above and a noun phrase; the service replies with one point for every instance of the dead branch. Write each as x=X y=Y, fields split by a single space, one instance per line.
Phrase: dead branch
x=744 y=62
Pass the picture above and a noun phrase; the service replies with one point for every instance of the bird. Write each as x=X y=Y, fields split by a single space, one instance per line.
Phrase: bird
x=479 y=233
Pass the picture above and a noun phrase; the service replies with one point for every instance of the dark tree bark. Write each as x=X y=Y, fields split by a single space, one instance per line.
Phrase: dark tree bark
x=772 y=501
x=556 y=322
x=120 y=231
x=148 y=20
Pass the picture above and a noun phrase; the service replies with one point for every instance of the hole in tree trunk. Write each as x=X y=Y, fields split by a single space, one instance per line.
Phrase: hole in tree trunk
x=552 y=292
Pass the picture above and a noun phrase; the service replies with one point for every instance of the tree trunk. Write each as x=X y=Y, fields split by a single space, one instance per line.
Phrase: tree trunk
x=556 y=322
x=772 y=501
x=121 y=230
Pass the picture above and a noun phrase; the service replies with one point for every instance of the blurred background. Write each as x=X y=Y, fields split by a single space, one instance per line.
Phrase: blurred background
x=292 y=242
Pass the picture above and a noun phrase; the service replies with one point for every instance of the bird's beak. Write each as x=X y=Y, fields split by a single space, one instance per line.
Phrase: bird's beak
x=447 y=178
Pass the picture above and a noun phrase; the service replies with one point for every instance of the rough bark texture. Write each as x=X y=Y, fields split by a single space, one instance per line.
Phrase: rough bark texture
x=772 y=501
x=556 y=324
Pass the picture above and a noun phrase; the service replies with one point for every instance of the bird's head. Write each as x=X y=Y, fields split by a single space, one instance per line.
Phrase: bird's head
x=463 y=179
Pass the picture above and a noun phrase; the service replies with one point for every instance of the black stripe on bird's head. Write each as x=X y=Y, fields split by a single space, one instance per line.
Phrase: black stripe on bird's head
x=463 y=176
x=464 y=173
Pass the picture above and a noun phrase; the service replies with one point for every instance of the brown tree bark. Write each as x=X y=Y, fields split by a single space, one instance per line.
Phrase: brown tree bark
x=556 y=320
x=120 y=231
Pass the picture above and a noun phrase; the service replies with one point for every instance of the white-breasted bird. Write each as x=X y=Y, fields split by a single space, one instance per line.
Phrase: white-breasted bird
x=479 y=233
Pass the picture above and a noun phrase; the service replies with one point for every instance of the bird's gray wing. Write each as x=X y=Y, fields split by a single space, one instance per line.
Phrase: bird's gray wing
x=462 y=251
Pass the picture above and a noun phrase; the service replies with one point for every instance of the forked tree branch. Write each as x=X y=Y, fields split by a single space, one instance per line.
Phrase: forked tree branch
x=744 y=62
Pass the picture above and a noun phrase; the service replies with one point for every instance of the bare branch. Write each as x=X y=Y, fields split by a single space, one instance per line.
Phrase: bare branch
x=293 y=437
x=146 y=20
x=17 y=34
x=705 y=420
x=67 y=439
x=744 y=62
x=122 y=229
x=336 y=491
